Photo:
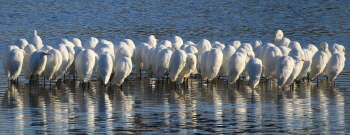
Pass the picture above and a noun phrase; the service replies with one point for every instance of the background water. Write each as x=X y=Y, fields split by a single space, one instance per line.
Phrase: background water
x=141 y=107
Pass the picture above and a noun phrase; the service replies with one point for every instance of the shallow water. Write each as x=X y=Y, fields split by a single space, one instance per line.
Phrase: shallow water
x=144 y=107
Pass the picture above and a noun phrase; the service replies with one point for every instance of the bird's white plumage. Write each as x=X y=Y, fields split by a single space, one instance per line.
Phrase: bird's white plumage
x=76 y=42
x=236 y=66
x=53 y=63
x=90 y=43
x=298 y=63
x=176 y=64
x=271 y=57
x=65 y=59
x=202 y=67
x=123 y=68
x=37 y=63
x=84 y=64
x=307 y=64
x=29 y=49
x=138 y=56
x=14 y=62
x=227 y=53
x=284 y=69
x=151 y=40
x=280 y=40
x=105 y=67
x=319 y=61
x=162 y=62
x=4 y=56
x=336 y=63
x=190 y=66
x=285 y=50
x=213 y=63
x=21 y=43
x=255 y=44
x=202 y=46
x=176 y=42
x=254 y=67
x=35 y=39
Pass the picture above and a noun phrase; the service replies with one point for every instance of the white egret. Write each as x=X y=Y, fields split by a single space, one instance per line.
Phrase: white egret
x=176 y=42
x=84 y=64
x=138 y=57
x=255 y=44
x=236 y=44
x=123 y=68
x=203 y=46
x=176 y=64
x=285 y=50
x=53 y=63
x=105 y=67
x=298 y=64
x=29 y=49
x=202 y=67
x=37 y=63
x=280 y=40
x=271 y=56
x=254 y=67
x=35 y=39
x=151 y=40
x=21 y=43
x=236 y=66
x=213 y=63
x=14 y=62
x=335 y=64
x=65 y=59
x=90 y=43
x=76 y=42
x=319 y=62
x=284 y=69
x=162 y=62
x=4 y=55
x=190 y=66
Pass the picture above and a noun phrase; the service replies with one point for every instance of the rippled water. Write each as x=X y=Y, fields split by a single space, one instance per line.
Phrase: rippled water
x=141 y=107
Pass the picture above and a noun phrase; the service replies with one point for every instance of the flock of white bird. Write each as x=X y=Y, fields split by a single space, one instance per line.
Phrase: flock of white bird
x=283 y=60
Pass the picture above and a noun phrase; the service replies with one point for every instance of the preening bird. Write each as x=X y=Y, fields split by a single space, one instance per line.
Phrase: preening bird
x=191 y=63
x=213 y=63
x=176 y=64
x=105 y=67
x=336 y=64
x=162 y=62
x=123 y=68
x=53 y=63
x=14 y=62
x=29 y=49
x=84 y=64
x=37 y=63
x=254 y=67
x=280 y=40
x=284 y=69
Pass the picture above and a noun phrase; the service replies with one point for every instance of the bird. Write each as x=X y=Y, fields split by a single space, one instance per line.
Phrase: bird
x=53 y=63
x=227 y=53
x=105 y=67
x=336 y=64
x=4 y=55
x=90 y=43
x=236 y=44
x=256 y=43
x=162 y=63
x=306 y=64
x=176 y=42
x=65 y=59
x=29 y=49
x=270 y=59
x=37 y=63
x=280 y=40
x=123 y=68
x=202 y=46
x=213 y=63
x=138 y=57
x=76 y=42
x=131 y=44
x=21 y=43
x=298 y=64
x=285 y=50
x=35 y=39
x=284 y=69
x=254 y=67
x=84 y=64
x=190 y=66
x=14 y=62
x=237 y=64
x=151 y=40
x=202 y=67
x=319 y=62
x=176 y=64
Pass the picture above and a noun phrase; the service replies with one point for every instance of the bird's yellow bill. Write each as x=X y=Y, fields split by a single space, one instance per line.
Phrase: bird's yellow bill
x=47 y=54
x=346 y=53
x=156 y=39
x=26 y=54
x=249 y=56
x=303 y=60
x=275 y=39
x=263 y=66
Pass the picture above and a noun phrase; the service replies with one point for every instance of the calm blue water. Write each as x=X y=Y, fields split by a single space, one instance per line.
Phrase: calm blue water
x=141 y=107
